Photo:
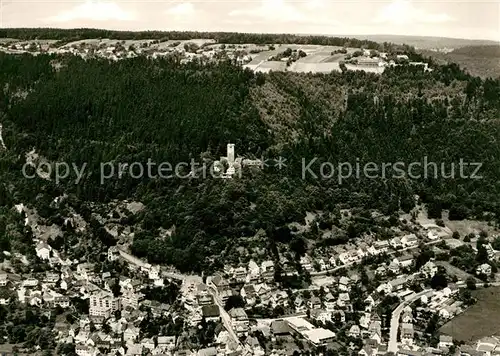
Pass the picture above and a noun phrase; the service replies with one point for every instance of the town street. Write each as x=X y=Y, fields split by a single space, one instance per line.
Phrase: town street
x=393 y=338
x=350 y=264
x=226 y=319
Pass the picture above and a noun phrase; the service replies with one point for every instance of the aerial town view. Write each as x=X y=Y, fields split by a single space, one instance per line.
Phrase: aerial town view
x=273 y=177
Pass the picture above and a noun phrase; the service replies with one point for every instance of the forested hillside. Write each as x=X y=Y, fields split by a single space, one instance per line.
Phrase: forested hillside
x=138 y=109
x=477 y=60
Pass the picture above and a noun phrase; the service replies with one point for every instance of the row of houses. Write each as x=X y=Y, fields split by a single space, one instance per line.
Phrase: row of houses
x=356 y=254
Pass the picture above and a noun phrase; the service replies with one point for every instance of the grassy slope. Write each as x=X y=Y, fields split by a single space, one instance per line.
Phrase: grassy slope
x=480 y=320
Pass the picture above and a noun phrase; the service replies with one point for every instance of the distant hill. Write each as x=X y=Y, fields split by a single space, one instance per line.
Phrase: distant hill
x=492 y=51
x=482 y=60
x=423 y=42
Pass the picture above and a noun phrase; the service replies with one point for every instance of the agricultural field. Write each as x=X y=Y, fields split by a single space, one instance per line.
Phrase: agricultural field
x=319 y=59
x=257 y=58
x=368 y=69
x=268 y=66
x=480 y=320
x=317 y=67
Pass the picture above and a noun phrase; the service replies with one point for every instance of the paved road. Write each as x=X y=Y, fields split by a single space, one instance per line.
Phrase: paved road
x=193 y=278
x=226 y=319
x=393 y=338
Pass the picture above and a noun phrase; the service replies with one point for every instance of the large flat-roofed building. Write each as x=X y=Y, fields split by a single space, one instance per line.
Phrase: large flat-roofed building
x=316 y=336
x=299 y=325
x=319 y=337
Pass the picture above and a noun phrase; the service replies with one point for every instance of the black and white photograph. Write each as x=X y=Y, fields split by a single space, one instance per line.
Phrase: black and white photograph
x=249 y=177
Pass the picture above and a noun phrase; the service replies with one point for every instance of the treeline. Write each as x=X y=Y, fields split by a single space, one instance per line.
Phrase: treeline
x=133 y=110
x=70 y=35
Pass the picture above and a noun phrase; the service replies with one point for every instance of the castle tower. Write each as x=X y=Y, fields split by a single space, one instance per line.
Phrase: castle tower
x=230 y=153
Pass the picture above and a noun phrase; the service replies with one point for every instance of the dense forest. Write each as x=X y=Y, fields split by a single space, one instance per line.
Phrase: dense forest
x=133 y=110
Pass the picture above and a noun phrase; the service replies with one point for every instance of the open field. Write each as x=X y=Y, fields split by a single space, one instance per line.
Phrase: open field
x=266 y=66
x=368 y=69
x=480 y=320
x=466 y=226
x=300 y=66
x=319 y=59
x=315 y=58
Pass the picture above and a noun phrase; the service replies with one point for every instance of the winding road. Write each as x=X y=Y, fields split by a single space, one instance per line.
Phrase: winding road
x=393 y=339
x=393 y=336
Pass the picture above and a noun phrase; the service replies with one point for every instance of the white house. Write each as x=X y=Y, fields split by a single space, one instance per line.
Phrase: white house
x=240 y=274
x=323 y=265
x=370 y=303
x=239 y=320
x=396 y=243
x=365 y=320
x=254 y=272
x=3 y=279
x=392 y=286
x=351 y=256
x=354 y=331
x=407 y=333
x=43 y=251
x=267 y=270
x=484 y=269
x=429 y=269
x=330 y=301
x=166 y=343
x=344 y=283
x=332 y=261
x=407 y=318
x=248 y=293
x=384 y=287
x=394 y=266
x=432 y=235
x=343 y=299
x=405 y=261
x=409 y=240
x=381 y=271
x=321 y=315
x=445 y=313
x=30 y=282
x=154 y=272
x=113 y=253
x=379 y=247
x=306 y=263
x=314 y=303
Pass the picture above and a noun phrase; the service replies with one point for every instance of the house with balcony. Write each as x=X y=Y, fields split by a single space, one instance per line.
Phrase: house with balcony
x=239 y=321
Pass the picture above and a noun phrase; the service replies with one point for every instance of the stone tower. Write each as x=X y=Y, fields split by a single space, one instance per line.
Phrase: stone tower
x=230 y=153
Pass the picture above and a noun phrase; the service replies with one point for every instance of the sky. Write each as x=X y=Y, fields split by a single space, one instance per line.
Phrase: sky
x=470 y=19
